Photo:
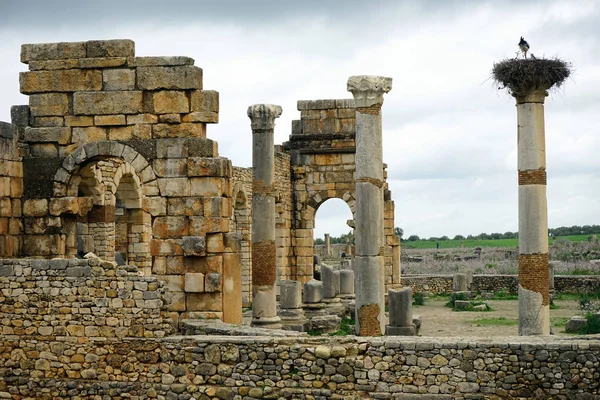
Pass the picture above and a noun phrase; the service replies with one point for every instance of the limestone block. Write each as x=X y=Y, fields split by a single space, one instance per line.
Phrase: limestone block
x=290 y=294
x=328 y=281
x=71 y=120
x=165 y=247
x=179 y=130
x=173 y=77
x=194 y=282
x=112 y=102
x=346 y=281
x=174 y=283
x=202 y=225
x=576 y=324
x=202 y=147
x=313 y=291
x=232 y=242
x=194 y=245
x=175 y=301
x=50 y=65
x=64 y=205
x=170 y=167
x=39 y=245
x=48 y=104
x=84 y=204
x=52 y=51
x=46 y=122
x=118 y=79
x=204 y=302
x=169 y=101
x=110 y=48
x=204 y=166
x=207 y=186
x=156 y=206
x=172 y=148
x=206 y=117
x=169 y=118
x=232 y=288
x=170 y=227
x=400 y=306
x=88 y=134
x=174 y=187
x=204 y=101
x=101 y=120
x=35 y=207
x=142 y=119
x=462 y=304
x=102 y=62
x=214 y=243
x=69 y=80
x=162 y=61
x=61 y=135
x=212 y=282
x=460 y=283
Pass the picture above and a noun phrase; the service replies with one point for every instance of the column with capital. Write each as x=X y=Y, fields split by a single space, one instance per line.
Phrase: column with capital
x=534 y=296
x=264 y=262
x=369 y=229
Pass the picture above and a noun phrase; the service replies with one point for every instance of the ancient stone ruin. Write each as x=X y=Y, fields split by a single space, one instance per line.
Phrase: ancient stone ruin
x=128 y=248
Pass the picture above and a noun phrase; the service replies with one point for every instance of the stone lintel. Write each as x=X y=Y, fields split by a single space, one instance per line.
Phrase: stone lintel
x=368 y=90
x=262 y=116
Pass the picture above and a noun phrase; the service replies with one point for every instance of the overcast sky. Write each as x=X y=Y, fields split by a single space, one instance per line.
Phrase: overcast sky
x=449 y=134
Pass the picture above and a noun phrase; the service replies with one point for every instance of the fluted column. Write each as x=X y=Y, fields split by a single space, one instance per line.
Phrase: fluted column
x=264 y=262
x=369 y=236
x=534 y=297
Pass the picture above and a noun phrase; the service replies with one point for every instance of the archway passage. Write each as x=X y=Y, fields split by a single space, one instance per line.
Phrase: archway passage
x=333 y=233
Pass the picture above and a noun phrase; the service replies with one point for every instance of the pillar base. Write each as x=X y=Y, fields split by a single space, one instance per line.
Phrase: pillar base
x=400 y=330
x=266 y=322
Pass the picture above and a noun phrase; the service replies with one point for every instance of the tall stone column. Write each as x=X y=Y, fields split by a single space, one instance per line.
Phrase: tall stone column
x=264 y=262
x=327 y=245
x=534 y=297
x=369 y=236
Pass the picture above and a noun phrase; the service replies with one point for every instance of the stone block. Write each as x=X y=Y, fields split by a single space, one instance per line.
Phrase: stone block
x=290 y=294
x=118 y=79
x=194 y=282
x=205 y=166
x=112 y=102
x=102 y=62
x=576 y=324
x=64 y=205
x=206 y=117
x=204 y=101
x=232 y=242
x=170 y=167
x=313 y=291
x=35 y=207
x=202 y=147
x=172 y=148
x=194 y=245
x=232 y=288
x=173 y=77
x=110 y=48
x=170 y=227
x=460 y=283
x=142 y=119
x=162 y=61
x=204 y=302
x=346 y=281
x=169 y=118
x=212 y=282
x=52 y=51
x=72 y=120
x=327 y=277
x=47 y=122
x=61 y=135
x=165 y=247
x=39 y=245
x=207 y=186
x=170 y=101
x=51 y=65
x=88 y=134
x=19 y=115
x=400 y=306
x=48 y=104
x=462 y=304
x=214 y=243
x=182 y=130
x=174 y=187
x=156 y=206
x=69 y=80
x=103 y=120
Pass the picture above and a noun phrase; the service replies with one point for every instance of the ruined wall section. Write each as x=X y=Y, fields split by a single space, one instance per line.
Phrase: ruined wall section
x=11 y=191
x=110 y=130
x=322 y=148
x=242 y=224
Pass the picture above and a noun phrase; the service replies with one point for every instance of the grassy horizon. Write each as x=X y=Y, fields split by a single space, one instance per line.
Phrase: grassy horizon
x=472 y=243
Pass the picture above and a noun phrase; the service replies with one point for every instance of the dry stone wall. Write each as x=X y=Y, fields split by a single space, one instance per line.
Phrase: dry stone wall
x=115 y=160
x=11 y=191
x=303 y=368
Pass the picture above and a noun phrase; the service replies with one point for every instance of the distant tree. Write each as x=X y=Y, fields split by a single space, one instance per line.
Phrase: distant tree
x=470 y=237
x=398 y=231
x=413 y=238
x=319 y=241
x=444 y=238
x=433 y=239
x=459 y=237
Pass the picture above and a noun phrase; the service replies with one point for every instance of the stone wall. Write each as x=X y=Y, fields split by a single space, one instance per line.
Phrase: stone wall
x=437 y=284
x=242 y=223
x=115 y=147
x=349 y=368
x=79 y=298
x=11 y=191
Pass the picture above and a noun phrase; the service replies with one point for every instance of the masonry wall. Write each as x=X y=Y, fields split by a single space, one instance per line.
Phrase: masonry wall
x=116 y=161
x=302 y=368
x=11 y=191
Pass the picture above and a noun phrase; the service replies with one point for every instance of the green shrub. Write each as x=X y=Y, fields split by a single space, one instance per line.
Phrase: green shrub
x=346 y=327
x=418 y=299
x=593 y=323
x=456 y=296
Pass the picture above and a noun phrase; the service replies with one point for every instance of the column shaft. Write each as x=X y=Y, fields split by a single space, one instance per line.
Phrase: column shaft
x=264 y=261
x=534 y=298
x=369 y=228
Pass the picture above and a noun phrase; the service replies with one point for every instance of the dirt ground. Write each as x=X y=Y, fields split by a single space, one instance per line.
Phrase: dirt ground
x=438 y=320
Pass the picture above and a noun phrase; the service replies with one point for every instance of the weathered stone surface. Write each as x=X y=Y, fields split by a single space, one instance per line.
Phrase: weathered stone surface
x=204 y=101
x=52 y=51
x=48 y=104
x=194 y=282
x=115 y=102
x=110 y=48
x=170 y=101
x=194 y=245
x=177 y=77
x=313 y=291
x=56 y=134
x=102 y=62
x=161 y=131
x=70 y=80
x=162 y=61
x=118 y=79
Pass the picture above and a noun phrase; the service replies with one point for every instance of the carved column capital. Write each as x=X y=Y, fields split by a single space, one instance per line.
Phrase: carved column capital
x=368 y=90
x=262 y=116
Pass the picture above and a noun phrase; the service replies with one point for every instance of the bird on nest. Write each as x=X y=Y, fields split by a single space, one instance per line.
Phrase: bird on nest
x=524 y=46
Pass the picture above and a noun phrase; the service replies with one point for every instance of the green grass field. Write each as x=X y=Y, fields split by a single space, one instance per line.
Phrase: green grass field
x=451 y=244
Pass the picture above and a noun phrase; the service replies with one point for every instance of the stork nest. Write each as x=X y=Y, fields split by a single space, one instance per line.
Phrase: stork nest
x=521 y=76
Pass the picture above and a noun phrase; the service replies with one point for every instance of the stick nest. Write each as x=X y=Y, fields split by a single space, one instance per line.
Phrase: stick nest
x=521 y=76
